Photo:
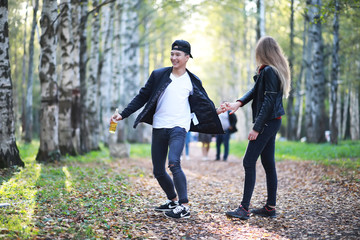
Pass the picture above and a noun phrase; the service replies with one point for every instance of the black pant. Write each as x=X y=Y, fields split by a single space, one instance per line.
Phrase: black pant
x=264 y=145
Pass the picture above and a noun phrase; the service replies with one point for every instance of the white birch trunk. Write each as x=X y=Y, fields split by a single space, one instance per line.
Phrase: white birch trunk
x=260 y=27
x=76 y=106
x=106 y=69
x=9 y=153
x=345 y=112
x=49 y=139
x=130 y=61
x=29 y=86
x=316 y=131
x=24 y=58
x=66 y=131
x=354 y=112
x=92 y=110
x=334 y=78
x=84 y=129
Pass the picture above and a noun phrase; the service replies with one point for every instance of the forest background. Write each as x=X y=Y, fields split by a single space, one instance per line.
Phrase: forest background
x=74 y=62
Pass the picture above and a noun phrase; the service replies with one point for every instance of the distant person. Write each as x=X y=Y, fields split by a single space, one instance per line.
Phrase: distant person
x=272 y=81
x=187 y=145
x=205 y=140
x=175 y=102
x=228 y=122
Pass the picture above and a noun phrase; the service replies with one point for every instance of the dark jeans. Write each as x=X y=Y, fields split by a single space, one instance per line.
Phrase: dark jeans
x=170 y=140
x=222 y=138
x=263 y=146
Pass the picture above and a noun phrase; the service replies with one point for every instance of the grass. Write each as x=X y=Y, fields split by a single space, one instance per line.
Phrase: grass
x=72 y=199
x=346 y=154
x=80 y=197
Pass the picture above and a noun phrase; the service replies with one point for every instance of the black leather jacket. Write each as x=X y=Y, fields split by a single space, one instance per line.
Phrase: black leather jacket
x=200 y=103
x=267 y=98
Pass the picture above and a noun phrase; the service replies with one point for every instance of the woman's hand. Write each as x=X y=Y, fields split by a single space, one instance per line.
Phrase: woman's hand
x=253 y=135
x=232 y=106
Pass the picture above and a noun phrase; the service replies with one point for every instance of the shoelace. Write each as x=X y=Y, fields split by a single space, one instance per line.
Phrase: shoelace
x=178 y=209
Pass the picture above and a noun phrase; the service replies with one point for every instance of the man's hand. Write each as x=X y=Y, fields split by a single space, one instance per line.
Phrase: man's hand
x=116 y=117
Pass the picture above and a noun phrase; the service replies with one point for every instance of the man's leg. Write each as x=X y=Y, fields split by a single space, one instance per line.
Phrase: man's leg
x=176 y=144
x=159 y=149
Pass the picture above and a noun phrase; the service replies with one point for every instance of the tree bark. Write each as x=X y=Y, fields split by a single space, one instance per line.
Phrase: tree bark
x=108 y=12
x=92 y=111
x=23 y=102
x=66 y=143
x=130 y=61
x=29 y=85
x=76 y=105
x=290 y=103
x=84 y=130
x=9 y=153
x=49 y=111
x=354 y=111
x=316 y=128
x=260 y=26
x=334 y=78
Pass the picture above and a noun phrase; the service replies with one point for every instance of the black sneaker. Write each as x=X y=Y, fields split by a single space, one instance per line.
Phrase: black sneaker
x=265 y=212
x=240 y=212
x=167 y=206
x=180 y=211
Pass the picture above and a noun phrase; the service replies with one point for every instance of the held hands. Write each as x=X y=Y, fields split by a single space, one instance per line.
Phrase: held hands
x=234 y=106
x=221 y=109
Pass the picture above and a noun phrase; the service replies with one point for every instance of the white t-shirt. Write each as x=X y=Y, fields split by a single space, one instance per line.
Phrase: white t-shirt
x=173 y=108
x=224 y=119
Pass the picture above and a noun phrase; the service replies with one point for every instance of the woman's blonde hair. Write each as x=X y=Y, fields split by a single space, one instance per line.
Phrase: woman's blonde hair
x=268 y=52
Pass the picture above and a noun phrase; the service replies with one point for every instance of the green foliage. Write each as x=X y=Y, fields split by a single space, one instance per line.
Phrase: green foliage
x=345 y=154
x=75 y=198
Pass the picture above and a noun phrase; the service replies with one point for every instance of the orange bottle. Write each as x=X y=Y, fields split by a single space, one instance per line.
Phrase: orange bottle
x=113 y=123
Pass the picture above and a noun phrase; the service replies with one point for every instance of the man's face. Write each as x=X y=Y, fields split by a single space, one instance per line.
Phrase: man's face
x=178 y=58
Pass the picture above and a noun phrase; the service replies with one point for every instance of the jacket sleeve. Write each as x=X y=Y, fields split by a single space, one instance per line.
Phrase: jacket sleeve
x=271 y=88
x=249 y=95
x=140 y=99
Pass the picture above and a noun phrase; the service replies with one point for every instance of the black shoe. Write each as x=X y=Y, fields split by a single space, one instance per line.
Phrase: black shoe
x=265 y=212
x=180 y=211
x=240 y=212
x=167 y=206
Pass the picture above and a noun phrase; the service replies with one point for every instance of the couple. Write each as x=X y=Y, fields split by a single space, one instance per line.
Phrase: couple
x=176 y=102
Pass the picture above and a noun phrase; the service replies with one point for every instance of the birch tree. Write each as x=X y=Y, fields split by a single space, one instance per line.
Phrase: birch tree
x=334 y=77
x=75 y=105
x=130 y=60
x=9 y=153
x=29 y=85
x=92 y=111
x=66 y=130
x=290 y=114
x=315 y=114
x=84 y=130
x=260 y=26
x=106 y=69
x=49 y=110
x=23 y=119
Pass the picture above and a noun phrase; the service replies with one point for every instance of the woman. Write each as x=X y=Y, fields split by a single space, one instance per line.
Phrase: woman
x=271 y=83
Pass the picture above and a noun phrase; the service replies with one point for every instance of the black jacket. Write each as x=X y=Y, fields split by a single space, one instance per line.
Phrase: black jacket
x=267 y=98
x=200 y=103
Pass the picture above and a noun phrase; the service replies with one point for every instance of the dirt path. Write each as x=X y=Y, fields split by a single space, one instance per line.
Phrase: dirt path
x=314 y=202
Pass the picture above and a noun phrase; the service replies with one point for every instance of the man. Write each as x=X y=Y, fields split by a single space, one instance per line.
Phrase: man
x=228 y=122
x=175 y=102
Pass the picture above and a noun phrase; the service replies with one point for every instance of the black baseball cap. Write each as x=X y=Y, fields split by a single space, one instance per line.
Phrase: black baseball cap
x=182 y=45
